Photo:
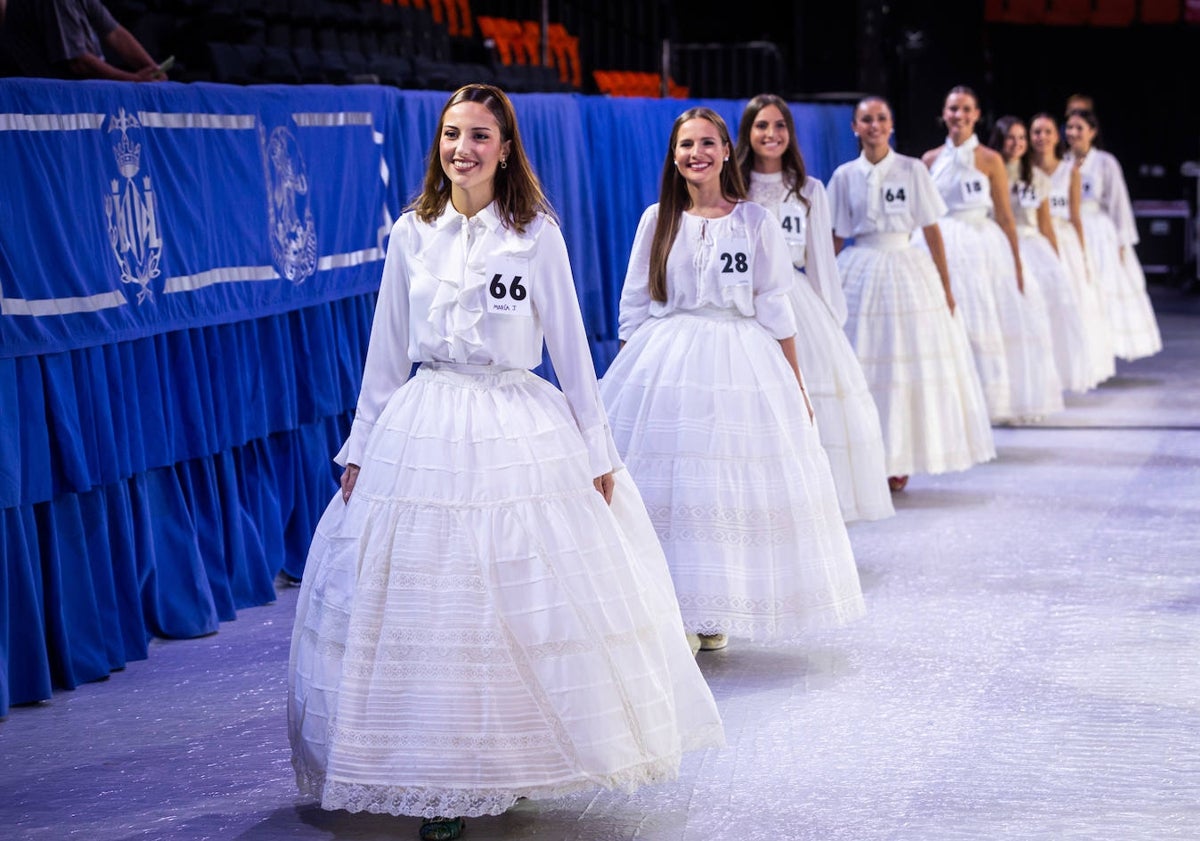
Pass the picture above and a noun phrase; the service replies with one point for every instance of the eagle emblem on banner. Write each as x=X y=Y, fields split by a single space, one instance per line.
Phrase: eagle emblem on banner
x=132 y=215
x=293 y=233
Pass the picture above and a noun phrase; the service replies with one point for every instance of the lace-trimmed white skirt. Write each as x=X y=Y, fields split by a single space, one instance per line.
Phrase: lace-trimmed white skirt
x=476 y=625
x=710 y=421
x=916 y=360
x=846 y=415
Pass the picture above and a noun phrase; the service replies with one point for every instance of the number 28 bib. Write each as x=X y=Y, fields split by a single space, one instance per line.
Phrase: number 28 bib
x=731 y=262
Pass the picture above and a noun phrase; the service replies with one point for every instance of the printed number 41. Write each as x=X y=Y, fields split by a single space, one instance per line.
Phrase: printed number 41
x=514 y=290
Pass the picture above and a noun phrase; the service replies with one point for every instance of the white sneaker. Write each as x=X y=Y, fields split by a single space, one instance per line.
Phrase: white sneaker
x=713 y=642
x=694 y=642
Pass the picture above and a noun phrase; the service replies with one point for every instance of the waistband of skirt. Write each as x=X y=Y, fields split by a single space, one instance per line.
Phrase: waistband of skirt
x=710 y=312
x=469 y=372
x=1090 y=206
x=969 y=214
x=883 y=240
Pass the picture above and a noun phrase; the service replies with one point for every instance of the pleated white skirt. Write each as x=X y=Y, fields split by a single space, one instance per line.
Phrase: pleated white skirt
x=916 y=361
x=1097 y=333
x=1123 y=285
x=709 y=418
x=477 y=625
x=847 y=419
x=1063 y=308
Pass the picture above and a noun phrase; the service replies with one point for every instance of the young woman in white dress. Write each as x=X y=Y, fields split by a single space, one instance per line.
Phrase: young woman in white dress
x=477 y=623
x=1003 y=311
x=1039 y=252
x=708 y=409
x=1067 y=219
x=848 y=422
x=901 y=311
x=1111 y=235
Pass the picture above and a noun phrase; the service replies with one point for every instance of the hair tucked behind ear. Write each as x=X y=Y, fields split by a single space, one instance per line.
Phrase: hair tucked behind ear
x=518 y=193
x=673 y=198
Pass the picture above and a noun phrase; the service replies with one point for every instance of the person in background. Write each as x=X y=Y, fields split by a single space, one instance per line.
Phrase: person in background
x=708 y=409
x=1003 y=311
x=1045 y=146
x=1039 y=252
x=486 y=614
x=902 y=323
x=1111 y=233
x=66 y=39
x=770 y=161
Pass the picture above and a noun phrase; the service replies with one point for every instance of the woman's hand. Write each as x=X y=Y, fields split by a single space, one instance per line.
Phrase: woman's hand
x=349 y=477
x=604 y=484
x=950 y=299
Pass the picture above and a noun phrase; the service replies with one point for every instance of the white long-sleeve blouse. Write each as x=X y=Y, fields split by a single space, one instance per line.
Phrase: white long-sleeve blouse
x=738 y=262
x=470 y=290
x=895 y=195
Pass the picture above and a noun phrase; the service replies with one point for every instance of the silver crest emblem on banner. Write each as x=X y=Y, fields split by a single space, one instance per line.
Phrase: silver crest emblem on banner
x=132 y=215
x=293 y=233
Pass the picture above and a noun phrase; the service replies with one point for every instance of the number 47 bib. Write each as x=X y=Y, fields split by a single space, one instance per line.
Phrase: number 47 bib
x=508 y=287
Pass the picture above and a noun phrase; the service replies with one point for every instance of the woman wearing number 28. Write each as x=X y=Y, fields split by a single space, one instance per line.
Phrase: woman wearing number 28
x=486 y=614
x=708 y=408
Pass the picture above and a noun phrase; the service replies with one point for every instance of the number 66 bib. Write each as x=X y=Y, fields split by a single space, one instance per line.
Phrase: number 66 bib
x=508 y=287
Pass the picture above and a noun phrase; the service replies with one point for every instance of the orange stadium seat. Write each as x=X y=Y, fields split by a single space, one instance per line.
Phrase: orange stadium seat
x=1069 y=12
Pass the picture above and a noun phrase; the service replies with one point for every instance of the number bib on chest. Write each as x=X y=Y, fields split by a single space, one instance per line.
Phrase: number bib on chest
x=974 y=189
x=508 y=284
x=731 y=262
x=1088 y=188
x=794 y=221
x=894 y=195
x=1026 y=196
x=1059 y=205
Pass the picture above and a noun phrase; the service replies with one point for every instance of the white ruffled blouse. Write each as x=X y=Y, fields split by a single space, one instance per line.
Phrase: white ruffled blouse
x=471 y=291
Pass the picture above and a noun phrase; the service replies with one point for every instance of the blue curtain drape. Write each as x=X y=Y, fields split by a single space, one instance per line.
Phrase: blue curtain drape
x=156 y=479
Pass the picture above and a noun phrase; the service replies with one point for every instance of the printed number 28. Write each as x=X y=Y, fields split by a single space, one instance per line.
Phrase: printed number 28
x=734 y=263
x=515 y=290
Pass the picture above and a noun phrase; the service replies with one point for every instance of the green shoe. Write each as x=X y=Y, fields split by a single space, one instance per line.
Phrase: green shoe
x=442 y=829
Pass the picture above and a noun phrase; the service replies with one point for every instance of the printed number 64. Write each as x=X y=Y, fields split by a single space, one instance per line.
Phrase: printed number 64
x=515 y=290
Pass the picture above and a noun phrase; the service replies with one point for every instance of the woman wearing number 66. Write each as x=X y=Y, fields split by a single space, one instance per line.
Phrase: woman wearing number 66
x=708 y=408
x=486 y=614
x=902 y=322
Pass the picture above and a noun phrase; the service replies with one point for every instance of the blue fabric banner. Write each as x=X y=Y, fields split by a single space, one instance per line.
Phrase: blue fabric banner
x=130 y=210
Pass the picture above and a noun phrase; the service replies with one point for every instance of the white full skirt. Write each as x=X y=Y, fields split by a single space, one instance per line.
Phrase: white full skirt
x=476 y=625
x=916 y=361
x=1097 y=333
x=708 y=416
x=1063 y=308
x=978 y=308
x=1123 y=287
x=847 y=419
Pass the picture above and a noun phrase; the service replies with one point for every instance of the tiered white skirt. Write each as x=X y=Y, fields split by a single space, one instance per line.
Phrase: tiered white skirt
x=477 y=625
x=916 y=360
x=1063 y=308
x=1097 y=333
x=710 y=420
x=977 y=252
x=1123 y=287
x=847 y=419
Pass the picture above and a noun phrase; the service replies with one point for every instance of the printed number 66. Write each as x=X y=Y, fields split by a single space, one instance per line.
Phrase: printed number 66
x=514 y=289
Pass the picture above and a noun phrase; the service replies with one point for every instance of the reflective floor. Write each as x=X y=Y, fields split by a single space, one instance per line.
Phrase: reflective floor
x=1029 y=668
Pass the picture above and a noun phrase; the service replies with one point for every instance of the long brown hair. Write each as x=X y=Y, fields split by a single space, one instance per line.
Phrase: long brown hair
x=518 y=193
x=673 y=198
x=1000 y=133
x=793 y=161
